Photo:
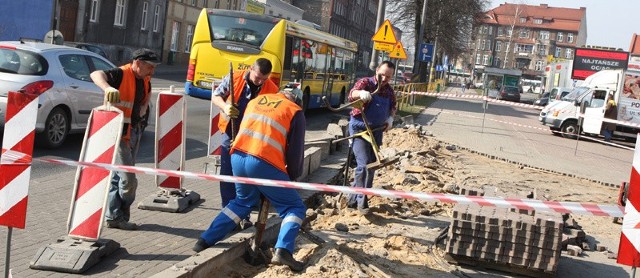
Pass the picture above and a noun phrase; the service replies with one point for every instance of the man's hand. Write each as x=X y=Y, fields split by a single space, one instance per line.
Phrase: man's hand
x=231 y=111
x=389 y=123
x=111 y=95
x=364 y=95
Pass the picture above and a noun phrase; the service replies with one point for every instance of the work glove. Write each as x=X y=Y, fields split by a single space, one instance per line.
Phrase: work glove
x=111 y=95
x=231 y=111
x=364 y=95
x=389 y=123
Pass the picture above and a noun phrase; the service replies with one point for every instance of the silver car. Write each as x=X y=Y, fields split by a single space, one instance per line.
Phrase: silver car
x=62 y=73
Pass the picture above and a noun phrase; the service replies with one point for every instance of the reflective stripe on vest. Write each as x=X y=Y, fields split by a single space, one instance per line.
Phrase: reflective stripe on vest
x=263 y=131
x=239 y=85
x=128 y=95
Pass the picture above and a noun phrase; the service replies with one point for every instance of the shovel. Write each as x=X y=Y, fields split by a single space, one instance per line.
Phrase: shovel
x=254 y=255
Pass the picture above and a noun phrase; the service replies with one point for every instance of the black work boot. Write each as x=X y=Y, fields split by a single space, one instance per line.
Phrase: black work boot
x=283 y=257
x=200 y=245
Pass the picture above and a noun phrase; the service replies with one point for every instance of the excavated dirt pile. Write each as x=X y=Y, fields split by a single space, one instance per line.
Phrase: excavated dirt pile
x=398 y=237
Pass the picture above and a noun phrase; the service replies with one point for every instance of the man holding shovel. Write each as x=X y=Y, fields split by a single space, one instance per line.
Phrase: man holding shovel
x=269 y=145
x=378 y=110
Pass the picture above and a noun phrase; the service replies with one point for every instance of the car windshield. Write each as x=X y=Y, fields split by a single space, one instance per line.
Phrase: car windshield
x=239 y=29
x=22 y=62
x=575 y=93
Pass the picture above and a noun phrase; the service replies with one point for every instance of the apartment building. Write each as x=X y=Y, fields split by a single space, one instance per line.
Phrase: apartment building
x=527 y=37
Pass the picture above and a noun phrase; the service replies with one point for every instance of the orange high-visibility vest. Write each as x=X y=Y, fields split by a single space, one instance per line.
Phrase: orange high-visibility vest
x=128 y=95
x=264 y=128
x=239 y=84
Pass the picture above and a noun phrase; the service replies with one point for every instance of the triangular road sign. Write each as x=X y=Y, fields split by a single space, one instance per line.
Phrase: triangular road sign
x=385 y=33
x=398 y=52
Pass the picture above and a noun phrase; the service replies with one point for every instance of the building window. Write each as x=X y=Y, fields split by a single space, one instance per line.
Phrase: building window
x=484 y=42
x=570 y=37
x=205 y=3
x=193 y=2
x=95 y=10
x=490 y=29
x=560 y=36
x=498 y=45
x=539 y=65
x=175 y=32
x=500 y=31
x=524 y=33
x=478 y=56
x=558 y=51
x=568 y=53
x=524 y=48
x=187 y=45
x=544 y=35
x=487 y=45
x=485 y=60
x=541 y=49
x=523 y=20
x=509 y=32
x=537 y=21
x=156 y=18
x=145 y=11
x=497 y=62
x=121 y=6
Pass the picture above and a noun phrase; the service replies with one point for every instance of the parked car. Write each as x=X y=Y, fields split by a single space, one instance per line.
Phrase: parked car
x=543 y=100
x=509 y=93
x=62 y=73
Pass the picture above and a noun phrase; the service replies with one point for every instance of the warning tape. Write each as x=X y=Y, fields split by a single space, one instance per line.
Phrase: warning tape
x=543 y=129
x=478 y=97
x=527 y=204
x=624 y=123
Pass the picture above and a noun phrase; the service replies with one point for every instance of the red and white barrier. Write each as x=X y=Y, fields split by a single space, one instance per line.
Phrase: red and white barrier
x=629 y=249
x=170 y=134
x=215 y=134
x=562 y=207
x=100 y=143
x=15 y=172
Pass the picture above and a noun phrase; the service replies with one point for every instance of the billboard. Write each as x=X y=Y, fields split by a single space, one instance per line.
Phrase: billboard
x=587 y=61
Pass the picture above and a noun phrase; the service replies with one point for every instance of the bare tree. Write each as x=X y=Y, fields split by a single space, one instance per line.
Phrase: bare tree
x=514 y=21
x=451 y=21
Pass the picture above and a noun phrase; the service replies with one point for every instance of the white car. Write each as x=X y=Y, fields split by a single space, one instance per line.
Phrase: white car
x=62 y=73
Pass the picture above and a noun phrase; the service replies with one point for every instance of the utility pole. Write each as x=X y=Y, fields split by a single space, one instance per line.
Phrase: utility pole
x=435 y=48
x=380 y=17
x=416 y=63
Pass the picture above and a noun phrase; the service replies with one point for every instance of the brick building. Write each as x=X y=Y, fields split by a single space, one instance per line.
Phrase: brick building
x=526 y=37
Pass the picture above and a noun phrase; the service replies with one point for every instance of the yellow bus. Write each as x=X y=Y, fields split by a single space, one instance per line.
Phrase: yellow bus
x=318 y=63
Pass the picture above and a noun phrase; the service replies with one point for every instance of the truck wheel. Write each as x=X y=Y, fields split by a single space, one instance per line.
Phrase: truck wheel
x=569 y=130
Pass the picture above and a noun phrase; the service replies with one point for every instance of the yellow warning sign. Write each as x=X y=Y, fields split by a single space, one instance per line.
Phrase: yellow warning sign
x=385 y=33
x=398 y=52
x=386 y=47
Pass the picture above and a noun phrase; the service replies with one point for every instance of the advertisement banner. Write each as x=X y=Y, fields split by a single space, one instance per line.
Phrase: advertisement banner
x=587 y=61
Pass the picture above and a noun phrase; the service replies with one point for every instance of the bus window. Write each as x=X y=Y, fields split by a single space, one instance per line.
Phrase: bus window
x=288 y=53
x=297 y=62
x=239 y=29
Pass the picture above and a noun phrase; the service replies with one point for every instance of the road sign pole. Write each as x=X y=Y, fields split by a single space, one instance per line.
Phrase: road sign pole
x=374 y=54
x=7 y=258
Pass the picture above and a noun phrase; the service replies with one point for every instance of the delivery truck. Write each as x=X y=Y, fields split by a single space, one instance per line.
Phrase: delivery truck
x=593 y=94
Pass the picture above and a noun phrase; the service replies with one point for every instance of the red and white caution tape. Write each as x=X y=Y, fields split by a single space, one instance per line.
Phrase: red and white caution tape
x=528 y=204
x=624 y=123
x=478 y=97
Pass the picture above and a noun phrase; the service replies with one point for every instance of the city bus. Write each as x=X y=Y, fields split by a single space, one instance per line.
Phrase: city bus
x=318 y=63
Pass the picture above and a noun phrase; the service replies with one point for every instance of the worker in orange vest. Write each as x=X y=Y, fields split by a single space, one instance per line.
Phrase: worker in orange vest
x=269 y=145
x=129 y=89
x=247 y=85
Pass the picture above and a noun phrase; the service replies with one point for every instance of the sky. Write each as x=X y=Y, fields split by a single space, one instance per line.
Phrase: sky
x=610 y=23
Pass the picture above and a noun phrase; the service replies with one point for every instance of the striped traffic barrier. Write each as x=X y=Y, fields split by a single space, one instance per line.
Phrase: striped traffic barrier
x=528 y=204
x=101 y=139
x=170 y=134
x=215 y=134
x=629 y=248
x=170 y=151
x=19 y=133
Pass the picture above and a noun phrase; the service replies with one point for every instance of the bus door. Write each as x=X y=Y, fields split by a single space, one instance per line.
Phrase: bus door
x=594 y=111
x=327 y=87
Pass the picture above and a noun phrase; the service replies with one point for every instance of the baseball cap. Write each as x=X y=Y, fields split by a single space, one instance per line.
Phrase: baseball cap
x=146 y=55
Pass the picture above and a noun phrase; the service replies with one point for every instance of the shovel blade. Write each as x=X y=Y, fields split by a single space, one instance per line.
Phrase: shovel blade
x=382 y=163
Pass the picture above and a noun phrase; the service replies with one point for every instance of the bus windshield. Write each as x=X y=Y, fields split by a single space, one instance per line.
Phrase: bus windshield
x=239 y=29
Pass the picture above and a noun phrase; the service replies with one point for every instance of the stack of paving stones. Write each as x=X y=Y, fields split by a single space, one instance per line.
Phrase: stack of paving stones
x=505 y=237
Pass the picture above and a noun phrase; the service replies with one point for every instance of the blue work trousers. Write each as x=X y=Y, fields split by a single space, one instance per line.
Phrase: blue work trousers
x=286 y=202
x=227 y=189
x=363 y=152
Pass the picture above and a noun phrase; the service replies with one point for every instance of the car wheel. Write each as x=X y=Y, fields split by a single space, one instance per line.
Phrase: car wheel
x=305 y=99
x=56 y=129
x=569 y=130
